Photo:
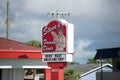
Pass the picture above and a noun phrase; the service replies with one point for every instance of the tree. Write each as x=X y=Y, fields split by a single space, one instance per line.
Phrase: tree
x=34 y=43
x=37 y=44
x=73 y=63
x=70 y=74
x=92 y=60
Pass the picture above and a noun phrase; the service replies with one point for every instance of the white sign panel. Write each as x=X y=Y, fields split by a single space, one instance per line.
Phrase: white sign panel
x=54 y=57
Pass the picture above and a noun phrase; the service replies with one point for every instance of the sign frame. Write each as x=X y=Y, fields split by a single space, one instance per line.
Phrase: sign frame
x=69 y=41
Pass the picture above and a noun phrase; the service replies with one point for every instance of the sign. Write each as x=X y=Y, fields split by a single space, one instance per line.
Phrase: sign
x=54 y=37
x=54 y=57
x=58 y=41
x=54 y=70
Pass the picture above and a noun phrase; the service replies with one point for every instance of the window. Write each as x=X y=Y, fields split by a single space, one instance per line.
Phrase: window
x=30 y=74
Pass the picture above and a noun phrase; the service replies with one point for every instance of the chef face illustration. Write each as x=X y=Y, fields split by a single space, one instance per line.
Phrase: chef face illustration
x=59 y=39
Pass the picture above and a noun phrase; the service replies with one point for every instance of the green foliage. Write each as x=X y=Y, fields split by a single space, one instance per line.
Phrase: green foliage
x=108 y=60
x=72 y=63
x=92 y=60
x=70 y=74
x=34 y=43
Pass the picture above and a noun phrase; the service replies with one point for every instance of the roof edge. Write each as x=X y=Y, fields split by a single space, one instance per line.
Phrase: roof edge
x=20 y=51
x=107 y=64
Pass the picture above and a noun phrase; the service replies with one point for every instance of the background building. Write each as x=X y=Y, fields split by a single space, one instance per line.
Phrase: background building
x=114 y=54
x=88 y=71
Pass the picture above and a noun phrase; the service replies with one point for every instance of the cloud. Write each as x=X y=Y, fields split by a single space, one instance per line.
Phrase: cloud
x=39 y=6
x=97 y=22
x=82 y=55
x=25 y=31
x=91 y=8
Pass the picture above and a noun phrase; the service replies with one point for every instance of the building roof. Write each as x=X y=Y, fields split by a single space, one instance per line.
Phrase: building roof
x=85 y=69
x=107 y=53
x=14 y=49
x=7 y=44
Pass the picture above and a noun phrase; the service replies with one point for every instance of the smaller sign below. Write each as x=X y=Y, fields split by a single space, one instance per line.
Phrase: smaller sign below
x=54 y=70
x=54 y=57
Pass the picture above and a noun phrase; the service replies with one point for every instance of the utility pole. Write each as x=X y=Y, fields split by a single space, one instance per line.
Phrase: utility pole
x=8 y=20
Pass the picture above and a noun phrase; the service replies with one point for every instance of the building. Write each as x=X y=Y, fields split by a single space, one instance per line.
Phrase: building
x=88 y=71
x=114 y=54
x=16 y=57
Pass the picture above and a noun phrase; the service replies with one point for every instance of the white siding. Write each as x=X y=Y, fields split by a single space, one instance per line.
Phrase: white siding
x=12 y=74
x=22 y=63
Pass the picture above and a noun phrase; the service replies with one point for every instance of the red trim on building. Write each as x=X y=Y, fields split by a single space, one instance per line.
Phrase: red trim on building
x=20 y=54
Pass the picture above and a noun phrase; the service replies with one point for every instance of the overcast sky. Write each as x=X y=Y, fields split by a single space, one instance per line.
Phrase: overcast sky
x=96 y=22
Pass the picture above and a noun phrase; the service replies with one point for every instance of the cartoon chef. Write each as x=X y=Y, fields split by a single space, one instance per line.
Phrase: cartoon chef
x=59 y=39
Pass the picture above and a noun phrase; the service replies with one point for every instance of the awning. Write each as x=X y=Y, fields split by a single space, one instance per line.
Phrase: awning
x=107 y=53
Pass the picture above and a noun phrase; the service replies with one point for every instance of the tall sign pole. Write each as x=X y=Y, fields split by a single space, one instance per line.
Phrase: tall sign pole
x=8 y=20
x=57 y=45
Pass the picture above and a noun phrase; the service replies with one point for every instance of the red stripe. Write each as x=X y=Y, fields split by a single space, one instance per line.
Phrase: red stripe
x=20 y=54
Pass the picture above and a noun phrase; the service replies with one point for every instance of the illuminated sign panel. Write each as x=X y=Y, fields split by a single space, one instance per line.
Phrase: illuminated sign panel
x=58 y=41
x=54 y=37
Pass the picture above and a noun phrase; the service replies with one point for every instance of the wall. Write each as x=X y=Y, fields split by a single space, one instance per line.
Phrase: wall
x=22 y=63
x=91 y=76
x=108 y=76
x=13 y=69
x=115 y=61
x=12 y=74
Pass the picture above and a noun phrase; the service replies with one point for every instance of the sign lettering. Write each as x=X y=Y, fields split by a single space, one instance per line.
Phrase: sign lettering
x=54 y=57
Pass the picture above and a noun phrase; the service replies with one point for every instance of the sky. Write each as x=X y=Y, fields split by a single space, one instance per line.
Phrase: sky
x=96 y=22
